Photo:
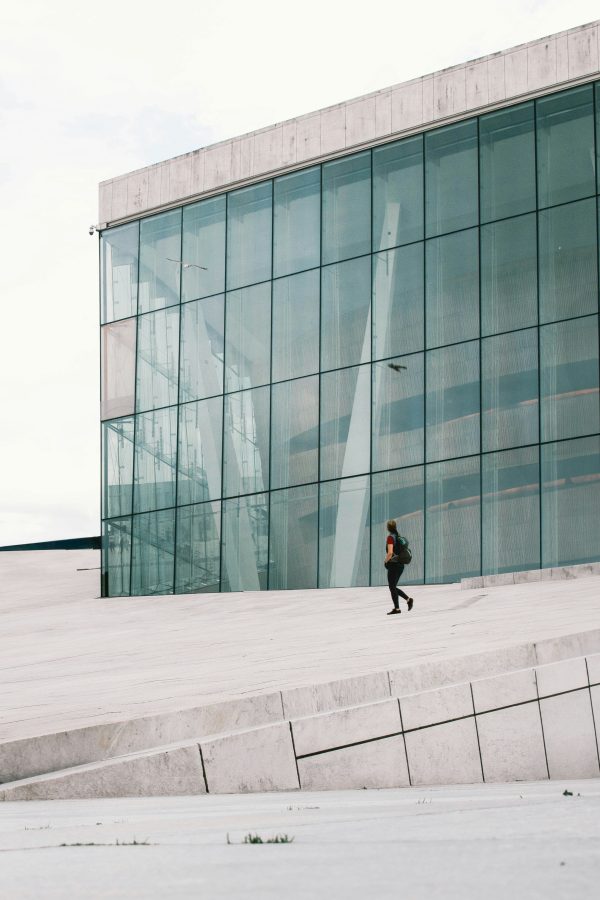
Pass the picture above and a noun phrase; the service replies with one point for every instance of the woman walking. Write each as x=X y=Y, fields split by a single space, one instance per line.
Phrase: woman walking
x=395 y=545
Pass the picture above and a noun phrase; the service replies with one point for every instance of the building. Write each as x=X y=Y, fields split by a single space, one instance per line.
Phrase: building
x=388 y=308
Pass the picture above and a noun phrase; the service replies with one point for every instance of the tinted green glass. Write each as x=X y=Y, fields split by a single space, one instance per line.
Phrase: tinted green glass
x=246 y=442
x=245 y=543
x=345 y=401
x=198 y=549
x=294 y=432
x=294 y=538
x=570 y=502
x=160 y=261
x=118 y=343
x=452 y=401
x=509 y=275
x=452 y=288
x=565 y=146
x=509 y=390
x=453 y=541
x=568 y=261
x=296 y=325
x=451 y=178
x=117 y=468
x=398 y=300
x=153 y=556
x=202 y=345
x=203 y=255
x=344 y=533
x=511 y=511
x=119 y=271
x=157 y=359
x=249 y=228
x=248 y=337
x=155 y=455
x=200 y=451
x=346 y=313
x=398 y=414
x=398 y=193
x=297 y=222
x=398 y=495
x=507 y=162
x=569 y=378
x=116 y=545
x=346 y=207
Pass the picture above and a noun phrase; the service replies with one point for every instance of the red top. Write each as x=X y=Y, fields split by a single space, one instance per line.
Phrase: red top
x=390 y=540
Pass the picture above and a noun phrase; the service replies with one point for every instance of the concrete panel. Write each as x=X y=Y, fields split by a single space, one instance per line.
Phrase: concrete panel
x=569 y=736
x=407 y=105
x=504 y=690
x=165 y=182
x=197 y=172
x=541 y=64
x=428 y=111
x=378 y=764
x=469 y=584
x=449 y=92
x=583 y=51
x=245 y=146
x=119 y=198
x=383 y=113
x=251 y=761
x=444 y=754
x=431 y=707
x=595 y=695
x=567 y=675
x=217 y=166
x=168 y=772
x=499 y=580
x=288 y=143
x=105 y=201
x=512 y=746
x=593 y=667
x=154 y=182
x=317 y=698
x=476 y=85
x=308 y=137
x=562 y=57
x=137 y=192
x=361 y=121
x=333 y=128
x=528 y=577
x=515 y=72
x=267 y=149
x=180 y=177
x=496 y=78
x=567 y=646
x=346 y=726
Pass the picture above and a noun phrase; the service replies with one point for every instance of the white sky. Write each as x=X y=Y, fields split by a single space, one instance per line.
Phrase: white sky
x=92 y=90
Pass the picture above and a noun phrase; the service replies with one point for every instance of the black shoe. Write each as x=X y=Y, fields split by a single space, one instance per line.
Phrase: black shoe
x=394 y=612
x=410 y=602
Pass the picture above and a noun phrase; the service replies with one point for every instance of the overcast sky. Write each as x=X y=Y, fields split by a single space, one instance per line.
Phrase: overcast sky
x=92 y=90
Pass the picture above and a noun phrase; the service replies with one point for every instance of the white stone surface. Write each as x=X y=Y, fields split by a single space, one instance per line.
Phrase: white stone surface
x=566 y=675
x=569 y=735
x=431 y=707
x=260 y=760
x=593 y=667
x=444 y=754
x=512 y=746
x=566 y=646
x=346 y=726
x=504 y=690
x=316 y=698
x=376 y=764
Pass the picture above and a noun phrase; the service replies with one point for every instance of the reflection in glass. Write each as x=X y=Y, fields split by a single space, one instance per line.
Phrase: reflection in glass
x=451 y=178
x=199 y=460
x=565 y=146
x=398 y=412
x=157 y=359
x=507 y=162
x=509 y=390
x=248 y=337
x=398 y=193
x=294 y=432
x=198 y=549
x=297 y=222
x=294 y=538
x=245 y=543
x=201 y=355
x=509 y=275
x=345 y=401
x=118 y=369
x=452 y=401
x=155 y=453
x=510 y=511
x=346 y=313
x=347 y=207
x=116 y=545
x=246 y=442
x=569 y=378
x=153 y=555
x=296 y=325
x=117 y=468
x=453 y=520
x=119 y=271
x=249 y=235
x=160 y=261
x=398 y=495
x=452 y=288
x=398 y=301
x=344 y=533
x=203 y=255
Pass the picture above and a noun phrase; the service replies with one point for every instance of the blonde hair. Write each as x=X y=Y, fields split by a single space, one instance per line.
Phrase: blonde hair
x=391 y=525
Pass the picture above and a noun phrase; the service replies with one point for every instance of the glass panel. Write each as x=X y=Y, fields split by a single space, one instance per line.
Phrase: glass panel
x=119 y=271
x=398 y=299
x=118 y=369
x=344 y=533
x=568 y=261
x=249 y=230
x=565 y=146
x=398 y=411
x=571 y=502
x=451 y=178
x=198 y=549
x=153 y=553
x=158 y=359
x=569 y=378
x=509 y=275
x=296 y=325
x=203 y=256
x=511 y=511
x=117 y=557
x=345 y=400
x=199 y=460
x=155 y=448
x=453 y=520
x=294 y=531
x=297 y=222
x=246 y=442
x=452 y=401
x=248 y=337
x=117 y=468
x=398 y=495
x=509 y=390
x=245 y=551
x=507 y=162
x=346 y=314
x=347 y=207
x=398 y=193
x=295 y=432
x=201 y=359
x=452 y=288
x=160 y=261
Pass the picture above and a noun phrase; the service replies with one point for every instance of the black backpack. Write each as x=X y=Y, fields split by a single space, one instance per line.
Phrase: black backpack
x=401 y=552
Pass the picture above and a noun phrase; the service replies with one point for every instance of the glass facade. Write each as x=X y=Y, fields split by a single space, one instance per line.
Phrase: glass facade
x=410 y=331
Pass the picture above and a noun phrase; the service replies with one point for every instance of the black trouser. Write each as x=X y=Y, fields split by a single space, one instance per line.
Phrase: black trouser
x=394 y=571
